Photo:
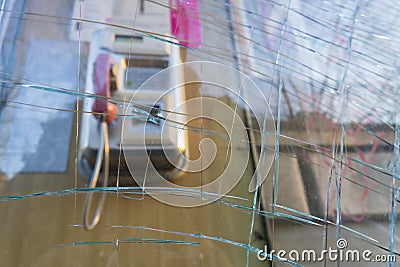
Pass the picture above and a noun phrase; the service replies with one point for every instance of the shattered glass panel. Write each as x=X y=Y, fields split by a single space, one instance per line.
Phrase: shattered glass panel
x=199 y=133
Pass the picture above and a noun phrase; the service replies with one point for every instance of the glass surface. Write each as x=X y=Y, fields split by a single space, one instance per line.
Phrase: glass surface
x=233 y=128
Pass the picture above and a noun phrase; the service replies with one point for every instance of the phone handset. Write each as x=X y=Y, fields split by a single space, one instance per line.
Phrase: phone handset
x=105 y=82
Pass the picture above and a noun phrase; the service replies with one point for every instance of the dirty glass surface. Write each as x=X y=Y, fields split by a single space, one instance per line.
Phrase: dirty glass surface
x=222 y=133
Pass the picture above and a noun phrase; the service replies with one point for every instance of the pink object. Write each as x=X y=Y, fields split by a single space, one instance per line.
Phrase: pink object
x=101 y=82
x=185 y=22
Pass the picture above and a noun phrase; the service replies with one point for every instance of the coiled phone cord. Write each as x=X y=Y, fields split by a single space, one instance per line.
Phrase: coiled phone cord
x=104 y=149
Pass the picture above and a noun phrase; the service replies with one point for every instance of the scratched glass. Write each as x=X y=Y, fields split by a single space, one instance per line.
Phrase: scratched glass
x=303 y=104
